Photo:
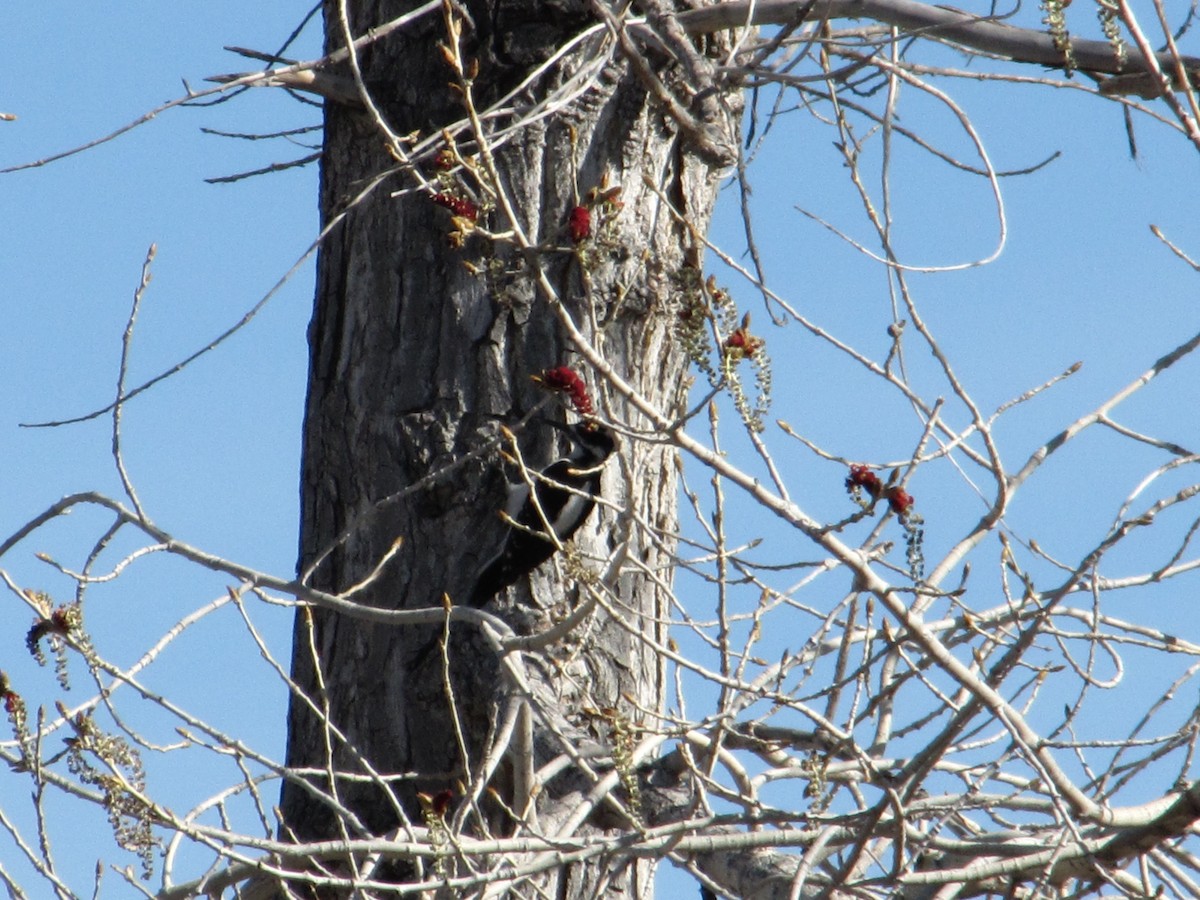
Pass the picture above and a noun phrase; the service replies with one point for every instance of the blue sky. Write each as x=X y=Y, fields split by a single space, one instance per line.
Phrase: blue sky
x=214 y=452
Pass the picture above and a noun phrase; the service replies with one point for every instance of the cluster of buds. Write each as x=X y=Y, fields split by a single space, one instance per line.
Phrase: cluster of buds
x=623 y=735
x=862 y=480
x=593 y=222
x=433 y=810
x=701 y=302
x=1056 y=21
x=1108 y=12
x=18 y=717
x=451 y=188
x=466 y=213
x=816 y=767
x=741 y=344
x=567 y=380
x=436 y=804
x=462 y=207
x=122 y=780
x=10 y=697
x=704 y=308
x=579 y=224
x=62 y=623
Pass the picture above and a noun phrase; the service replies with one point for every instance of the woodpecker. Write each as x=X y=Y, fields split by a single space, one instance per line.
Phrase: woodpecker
x=562 y=498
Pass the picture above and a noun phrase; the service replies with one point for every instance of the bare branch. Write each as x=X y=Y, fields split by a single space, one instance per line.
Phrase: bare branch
x=982 y=33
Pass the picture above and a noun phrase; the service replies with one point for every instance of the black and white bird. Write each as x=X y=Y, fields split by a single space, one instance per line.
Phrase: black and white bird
x=562 y=497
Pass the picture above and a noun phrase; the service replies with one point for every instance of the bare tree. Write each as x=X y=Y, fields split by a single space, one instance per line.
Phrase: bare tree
x=517 y=189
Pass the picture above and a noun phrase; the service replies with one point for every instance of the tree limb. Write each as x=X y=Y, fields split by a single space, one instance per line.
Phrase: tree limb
x=941 y=23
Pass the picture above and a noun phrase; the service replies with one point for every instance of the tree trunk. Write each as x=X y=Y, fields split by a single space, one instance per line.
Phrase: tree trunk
x=419 y=348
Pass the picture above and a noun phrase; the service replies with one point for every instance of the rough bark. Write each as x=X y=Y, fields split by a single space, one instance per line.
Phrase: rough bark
x=414 y=360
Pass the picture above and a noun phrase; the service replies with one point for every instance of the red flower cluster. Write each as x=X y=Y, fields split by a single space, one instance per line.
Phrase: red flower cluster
x=898 y=499
x=564 y=378
x=743 y=342
x=579 y=224
x=862 y=477
x=460 y=206
x=12 y=700
x=60 y=623
x=438 y=804
x=719 y=295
